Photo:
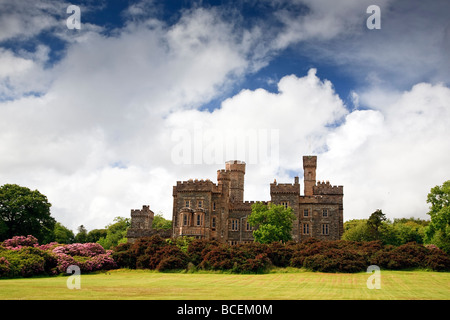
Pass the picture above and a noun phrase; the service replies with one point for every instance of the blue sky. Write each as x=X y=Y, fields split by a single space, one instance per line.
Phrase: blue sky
x=107 y=118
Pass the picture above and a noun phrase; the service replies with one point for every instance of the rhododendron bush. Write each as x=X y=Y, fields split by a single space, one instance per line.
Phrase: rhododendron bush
x=23 y=256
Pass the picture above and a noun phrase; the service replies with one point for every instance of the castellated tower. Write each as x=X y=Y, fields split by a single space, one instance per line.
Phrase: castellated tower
x=309 y=169
x=237 y=172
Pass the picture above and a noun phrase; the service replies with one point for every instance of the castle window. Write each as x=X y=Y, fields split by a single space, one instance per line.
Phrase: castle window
x=213 y=225
x=234 y=224
x=285 y=204
x=325 y=213
x=187 y=203
x=306 y=228
x=199 y=203
x=248 y=227
x=199 y=220
x=214 y=206
x=325 y=229
x=305 y=213
x=185 y=220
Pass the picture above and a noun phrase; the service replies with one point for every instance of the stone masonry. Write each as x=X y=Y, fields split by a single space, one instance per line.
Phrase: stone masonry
x=206 y=210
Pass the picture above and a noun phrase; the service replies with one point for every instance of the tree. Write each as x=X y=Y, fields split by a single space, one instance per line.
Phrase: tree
x=273 y=222
x=438 y=232
x=356 y=230
x=62 y=234
x=81 y=236
x=116 y=233
x=96 y=234
x=25 y=212
x=160 y=223
x=374 y=224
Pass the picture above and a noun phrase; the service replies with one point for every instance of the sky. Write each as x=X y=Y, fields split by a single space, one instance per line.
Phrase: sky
x=107 y=117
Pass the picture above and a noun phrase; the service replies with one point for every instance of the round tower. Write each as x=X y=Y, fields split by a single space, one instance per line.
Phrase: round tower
x=237 y=172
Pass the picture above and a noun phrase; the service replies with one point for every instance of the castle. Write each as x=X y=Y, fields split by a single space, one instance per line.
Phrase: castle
x=205 y=210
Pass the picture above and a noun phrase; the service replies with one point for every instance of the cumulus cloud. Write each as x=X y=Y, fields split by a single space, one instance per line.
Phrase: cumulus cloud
x=390 y=157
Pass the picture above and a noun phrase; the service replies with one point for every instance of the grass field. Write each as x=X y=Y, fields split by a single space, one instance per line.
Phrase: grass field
x=279 y=284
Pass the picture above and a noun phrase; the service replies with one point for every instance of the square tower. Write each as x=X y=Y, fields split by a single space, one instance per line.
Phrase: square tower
x=309 y=173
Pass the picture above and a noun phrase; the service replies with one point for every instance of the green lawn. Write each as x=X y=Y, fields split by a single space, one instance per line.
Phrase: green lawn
x=280 y=284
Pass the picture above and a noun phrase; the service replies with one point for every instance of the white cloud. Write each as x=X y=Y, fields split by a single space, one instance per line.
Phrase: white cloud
x=390 y=158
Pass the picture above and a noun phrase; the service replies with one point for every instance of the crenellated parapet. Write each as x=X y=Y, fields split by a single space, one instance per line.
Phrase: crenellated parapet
x=284 y=188
x=325 y=188
x=195 y=185
x=245 y=206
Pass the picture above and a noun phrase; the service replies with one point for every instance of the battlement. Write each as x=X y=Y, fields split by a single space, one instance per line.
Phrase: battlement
x=195 y=185
x=223 y=174
x=285 y=187
x=309 y=161
x=235 y=165
x=245 y=206
x=325 y=188
x=144 y=211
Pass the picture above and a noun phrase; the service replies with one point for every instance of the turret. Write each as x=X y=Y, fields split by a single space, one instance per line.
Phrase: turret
x=237 y=172
x=309 y=173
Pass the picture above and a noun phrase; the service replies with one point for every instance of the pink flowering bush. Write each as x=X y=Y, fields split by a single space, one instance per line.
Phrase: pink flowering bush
x=17 y=242
x=24 y=257
x=80 y=249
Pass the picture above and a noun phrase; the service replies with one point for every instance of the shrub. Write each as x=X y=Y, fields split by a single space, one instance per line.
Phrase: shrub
x=171 y=262
x=124 y=256
x=258 y=264
x=437 y=260
x=4 y=267
x=198 y=249
x=218 y=258
x=336 y=260
x=17 y=242
x=280 y=254
x=410 y=255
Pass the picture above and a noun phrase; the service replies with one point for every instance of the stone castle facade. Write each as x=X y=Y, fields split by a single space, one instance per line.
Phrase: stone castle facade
x=206 y=210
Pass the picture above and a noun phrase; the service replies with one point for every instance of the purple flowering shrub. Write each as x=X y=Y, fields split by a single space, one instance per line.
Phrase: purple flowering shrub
x=23 y=257
x=17 y=242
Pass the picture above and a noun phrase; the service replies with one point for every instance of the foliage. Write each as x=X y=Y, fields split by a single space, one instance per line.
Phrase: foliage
x=159 y=222
x=312 y=254
x=23 y=211
x=374 y=224
x=438 y=231
x=81 y=236
x=397 y=232
x=63 y=234
x=115 y=233
x=273 y=222
x=22 y=256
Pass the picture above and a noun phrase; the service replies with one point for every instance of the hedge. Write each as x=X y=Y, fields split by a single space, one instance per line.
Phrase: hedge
x=24 y=257
x=315 y=255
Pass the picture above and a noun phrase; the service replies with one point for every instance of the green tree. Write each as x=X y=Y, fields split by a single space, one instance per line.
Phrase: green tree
x=62 y=234
x=160 y=223
x=24 y=212
x=273 y=222
x=374 y=224
x=438 y=232
x=356 y=230
x=81 y=236
x=116 y=233
x=95 y=235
